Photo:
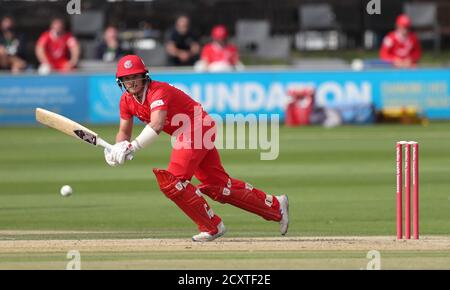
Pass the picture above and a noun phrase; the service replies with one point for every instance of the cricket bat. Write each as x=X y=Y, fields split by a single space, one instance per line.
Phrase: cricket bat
x=71 y=128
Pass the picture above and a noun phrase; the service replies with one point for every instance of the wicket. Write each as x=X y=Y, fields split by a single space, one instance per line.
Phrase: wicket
x=415 y=182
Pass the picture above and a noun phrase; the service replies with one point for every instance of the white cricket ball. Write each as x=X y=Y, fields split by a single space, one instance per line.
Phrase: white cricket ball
x=66 y=190
x=357 y=64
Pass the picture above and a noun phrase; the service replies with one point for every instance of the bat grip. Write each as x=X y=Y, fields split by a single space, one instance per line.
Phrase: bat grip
x=104 y=144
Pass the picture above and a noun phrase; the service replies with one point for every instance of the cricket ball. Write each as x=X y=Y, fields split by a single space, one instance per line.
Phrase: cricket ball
x=66 y=190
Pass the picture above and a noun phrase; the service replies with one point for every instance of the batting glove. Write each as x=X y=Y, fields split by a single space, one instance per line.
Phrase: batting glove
x=122 y=151
x=109 y=158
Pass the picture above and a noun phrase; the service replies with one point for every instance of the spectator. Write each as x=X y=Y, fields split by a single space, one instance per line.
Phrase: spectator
x=401 y=47
x=57 y=49
x=182 y=45
x=110 y=49
x=12 y=47
x=219 y=55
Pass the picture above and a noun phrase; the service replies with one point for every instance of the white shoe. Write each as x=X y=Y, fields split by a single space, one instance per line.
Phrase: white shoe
x=284 y=209
x=207 y=237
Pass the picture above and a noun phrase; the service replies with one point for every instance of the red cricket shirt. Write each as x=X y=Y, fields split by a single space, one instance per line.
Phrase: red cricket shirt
x=395 y=46
x=213 y=52
x=57 y=48
x=162 y=96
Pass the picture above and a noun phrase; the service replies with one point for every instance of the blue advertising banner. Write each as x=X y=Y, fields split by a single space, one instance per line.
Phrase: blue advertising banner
x=20 y=96
x=265 y=92
x=95 y=98
x=428 y=90
x=104 y=98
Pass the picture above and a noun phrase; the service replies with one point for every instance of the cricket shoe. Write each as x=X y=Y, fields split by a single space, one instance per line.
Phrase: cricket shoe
x=284 y=210
x=208 y=237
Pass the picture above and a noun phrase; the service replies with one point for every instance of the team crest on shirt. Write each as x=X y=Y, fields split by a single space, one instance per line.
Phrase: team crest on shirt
x=128 y=64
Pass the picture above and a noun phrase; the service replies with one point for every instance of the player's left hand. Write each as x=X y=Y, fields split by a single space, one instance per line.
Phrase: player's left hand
x=122 y=151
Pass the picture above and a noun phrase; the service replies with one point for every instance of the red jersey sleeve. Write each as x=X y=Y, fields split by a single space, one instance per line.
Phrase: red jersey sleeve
x=124 y=110
x=206 y=53
x=386 y=49
x=159 y=100
x=71 y=40
x=43 y=39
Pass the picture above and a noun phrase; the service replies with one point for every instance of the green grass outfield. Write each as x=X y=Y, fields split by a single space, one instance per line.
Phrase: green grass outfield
x=341 y=182
x=231 y=260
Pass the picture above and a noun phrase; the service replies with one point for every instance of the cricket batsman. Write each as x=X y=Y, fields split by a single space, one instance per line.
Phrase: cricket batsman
x=161 y=107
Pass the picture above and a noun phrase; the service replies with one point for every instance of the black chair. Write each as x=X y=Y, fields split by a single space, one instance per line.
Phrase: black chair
x=88 y=24
x=251 y=33
x=318 y=27
x=424 y=21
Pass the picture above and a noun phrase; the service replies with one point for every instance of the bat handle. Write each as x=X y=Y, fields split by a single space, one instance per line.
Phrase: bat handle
x=104 y=144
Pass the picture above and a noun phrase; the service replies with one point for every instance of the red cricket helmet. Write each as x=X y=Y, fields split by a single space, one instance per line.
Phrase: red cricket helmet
x=130 y=65
x=219 y=33
x=404 y=21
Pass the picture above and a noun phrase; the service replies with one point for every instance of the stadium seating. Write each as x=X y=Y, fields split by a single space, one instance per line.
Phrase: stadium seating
x=318 y=28
x=424 y=20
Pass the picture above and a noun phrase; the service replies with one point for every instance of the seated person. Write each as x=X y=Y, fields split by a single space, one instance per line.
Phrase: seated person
x=57 y=50
x=219 y=55
x=12 y=47
x=110 y=49
x=182 y=46
x=401 y=47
